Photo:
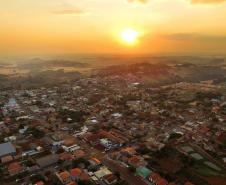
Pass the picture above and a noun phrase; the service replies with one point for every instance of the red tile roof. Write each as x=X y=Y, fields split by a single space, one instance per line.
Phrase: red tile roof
x=154 y=176
x=162 y=182
x=95 y=160
x=134 y=159
x=14 y=168
x=6 y=159
x=110 y=178
x=39 y=183
x=157 y=179
x=129 y=150
x=84 y=176
x=66 y=156
x=75 y=172
x=64 y=175
x=79 y=153
x=72 y=183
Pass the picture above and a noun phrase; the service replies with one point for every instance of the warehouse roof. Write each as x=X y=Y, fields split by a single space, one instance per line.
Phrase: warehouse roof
x=6 y=149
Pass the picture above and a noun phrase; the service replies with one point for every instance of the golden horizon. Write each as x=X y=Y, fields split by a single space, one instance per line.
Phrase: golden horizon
x=97 y=26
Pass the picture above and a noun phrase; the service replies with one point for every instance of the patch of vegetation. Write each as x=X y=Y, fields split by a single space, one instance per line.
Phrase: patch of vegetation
x=143 y=150
x=80 y=182
x=36 y=177
x=76 y=116
x=77 y=162
x=28 y=163
x=175 y=136
x=132 y=169
x=35 y=132
x=207 y=95
x=1 y=174
x=206 y=171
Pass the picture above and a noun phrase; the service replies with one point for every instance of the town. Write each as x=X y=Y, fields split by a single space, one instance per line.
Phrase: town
x=114 y=130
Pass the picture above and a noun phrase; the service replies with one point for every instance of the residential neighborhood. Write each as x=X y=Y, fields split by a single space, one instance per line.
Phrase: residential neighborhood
x=112 y=130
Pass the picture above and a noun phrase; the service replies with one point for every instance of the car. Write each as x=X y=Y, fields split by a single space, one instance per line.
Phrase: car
x=19 y=180
x=56 y=167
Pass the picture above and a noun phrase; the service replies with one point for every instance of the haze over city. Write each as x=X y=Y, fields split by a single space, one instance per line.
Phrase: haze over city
x=112 y=92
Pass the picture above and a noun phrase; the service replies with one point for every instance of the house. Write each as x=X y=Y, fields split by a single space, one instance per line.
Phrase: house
x=128 y=151
x=72 y=183
x=6 y=159
x=156 y=179
x=15 y=168
x=102 y=172
x=47 y=160
x=106 y=143
x=7 y=149
x=71 y=148
x=110 y=179
x=64 y=177
x=10 y=139
x=84 y=176
x=79 y=153
x=66 y=157
x=39 y=183
x=143 y=172
x=75 y=173
x=94 y=161
x=69 y=141
x=53 y=140
x=136 y=161
x=69 y=144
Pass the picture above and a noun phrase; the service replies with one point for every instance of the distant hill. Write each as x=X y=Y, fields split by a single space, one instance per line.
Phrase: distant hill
x=163 y=73
x=40 y=64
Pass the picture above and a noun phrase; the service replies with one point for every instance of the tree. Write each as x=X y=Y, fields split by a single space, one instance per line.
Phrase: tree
x=76 y=116
x=35 y=132
x=80 y=182
x=21 y=126
x=1 y=175
x=132 y=169
x=37 y=177
x=175 y=136
x=143 y=150
x=78 y=161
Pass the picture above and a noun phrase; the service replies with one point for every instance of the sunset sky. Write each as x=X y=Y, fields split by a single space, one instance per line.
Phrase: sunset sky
x=94 y=26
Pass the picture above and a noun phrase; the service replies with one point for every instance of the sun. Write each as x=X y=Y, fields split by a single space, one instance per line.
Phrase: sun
x=129 y=35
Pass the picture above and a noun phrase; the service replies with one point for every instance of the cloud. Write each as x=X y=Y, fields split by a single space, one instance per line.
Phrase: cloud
x=207 y=1
x=73 y=10
x=68 y=9
x=194 y=37
x=192 y=1
x=140 y=1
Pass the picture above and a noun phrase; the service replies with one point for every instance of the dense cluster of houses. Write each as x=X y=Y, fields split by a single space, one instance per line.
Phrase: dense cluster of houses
x=47 y=129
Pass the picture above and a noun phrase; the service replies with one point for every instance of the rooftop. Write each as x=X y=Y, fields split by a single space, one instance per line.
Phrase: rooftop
x=6 y=149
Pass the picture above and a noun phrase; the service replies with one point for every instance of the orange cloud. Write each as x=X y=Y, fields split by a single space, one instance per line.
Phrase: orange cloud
x=194 y=37
x=207 y=1
x=192 y=1
x=69 y=11
x=141 y=1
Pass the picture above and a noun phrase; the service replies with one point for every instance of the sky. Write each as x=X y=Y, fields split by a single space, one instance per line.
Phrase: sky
x=94 y=26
